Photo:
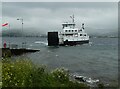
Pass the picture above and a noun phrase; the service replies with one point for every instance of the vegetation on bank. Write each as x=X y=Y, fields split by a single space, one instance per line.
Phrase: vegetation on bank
x=0 y=74
x=23 y=73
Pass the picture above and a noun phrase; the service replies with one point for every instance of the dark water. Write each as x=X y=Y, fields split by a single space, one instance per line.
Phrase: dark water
x=98 y=60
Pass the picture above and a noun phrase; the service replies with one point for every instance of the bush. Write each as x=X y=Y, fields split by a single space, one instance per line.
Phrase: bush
x=0 y=74
x=61 y=75
x=23 y=73
x=6 y=53
x=17 y=74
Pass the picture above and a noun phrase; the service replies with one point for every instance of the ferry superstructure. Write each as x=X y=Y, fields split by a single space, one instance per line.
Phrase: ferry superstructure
x=69 y=36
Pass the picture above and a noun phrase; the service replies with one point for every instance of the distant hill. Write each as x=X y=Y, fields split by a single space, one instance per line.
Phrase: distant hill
x=18 y=33
x=110 y=34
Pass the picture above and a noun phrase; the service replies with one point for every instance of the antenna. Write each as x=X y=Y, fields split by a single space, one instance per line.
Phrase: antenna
x=82 y=25
x=72 y=18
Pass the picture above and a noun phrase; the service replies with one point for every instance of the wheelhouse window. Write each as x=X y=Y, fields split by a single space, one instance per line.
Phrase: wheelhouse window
x=80 y=30
x=65 y=25
x=80 y=34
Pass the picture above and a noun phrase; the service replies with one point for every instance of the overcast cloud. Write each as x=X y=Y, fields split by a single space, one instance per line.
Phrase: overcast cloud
x=41 y=17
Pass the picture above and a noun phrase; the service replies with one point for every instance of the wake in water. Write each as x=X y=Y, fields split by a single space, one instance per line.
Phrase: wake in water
x=41 y=42
x=90 y=44
x=45 y=43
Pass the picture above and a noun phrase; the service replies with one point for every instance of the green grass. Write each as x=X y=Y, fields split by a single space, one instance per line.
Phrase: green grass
x=23 y=73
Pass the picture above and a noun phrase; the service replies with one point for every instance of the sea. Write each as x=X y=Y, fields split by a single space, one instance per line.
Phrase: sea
x=97 y=60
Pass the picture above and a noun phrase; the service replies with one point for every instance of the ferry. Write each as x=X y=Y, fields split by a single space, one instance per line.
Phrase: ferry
x=70 y=35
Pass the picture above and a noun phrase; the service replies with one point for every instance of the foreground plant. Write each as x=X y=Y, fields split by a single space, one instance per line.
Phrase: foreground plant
x=23 y=73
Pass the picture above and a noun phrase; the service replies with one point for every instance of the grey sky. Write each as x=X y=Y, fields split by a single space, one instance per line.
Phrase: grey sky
x=60 y=0
x=40 y=17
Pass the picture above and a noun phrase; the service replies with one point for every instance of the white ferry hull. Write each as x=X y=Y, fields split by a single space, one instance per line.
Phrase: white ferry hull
x=71 y=43
x=54 y=40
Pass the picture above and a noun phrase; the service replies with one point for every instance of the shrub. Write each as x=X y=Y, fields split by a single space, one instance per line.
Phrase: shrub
x=61 y=75
x=6 y=53
x=23 y=73
x=17 y=73
x=0 y=74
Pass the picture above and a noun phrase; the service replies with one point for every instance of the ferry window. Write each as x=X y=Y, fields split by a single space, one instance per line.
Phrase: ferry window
x=75 y=30
x=80 y=30
x=65 y=30
x=72 y=30
x=85 y=35
x=69 y=30
x=80 y=34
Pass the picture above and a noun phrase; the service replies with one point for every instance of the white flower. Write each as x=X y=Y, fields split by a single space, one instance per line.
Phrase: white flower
x=15 y=84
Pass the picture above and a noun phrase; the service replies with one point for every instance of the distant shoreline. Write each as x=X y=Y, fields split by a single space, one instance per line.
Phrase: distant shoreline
x=46 y=36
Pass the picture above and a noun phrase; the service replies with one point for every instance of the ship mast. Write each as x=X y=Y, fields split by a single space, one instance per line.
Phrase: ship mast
x=72 y=17
x=82 y=25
